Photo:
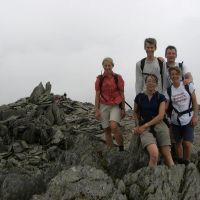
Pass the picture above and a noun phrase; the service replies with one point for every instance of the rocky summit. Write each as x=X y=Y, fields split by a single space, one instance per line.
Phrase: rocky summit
x=52 y=148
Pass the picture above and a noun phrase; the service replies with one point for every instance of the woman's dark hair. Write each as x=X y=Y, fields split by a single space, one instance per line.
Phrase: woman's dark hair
x=153 y=76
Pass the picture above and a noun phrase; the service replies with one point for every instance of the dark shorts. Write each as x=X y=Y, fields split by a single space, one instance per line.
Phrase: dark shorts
x=185 y=132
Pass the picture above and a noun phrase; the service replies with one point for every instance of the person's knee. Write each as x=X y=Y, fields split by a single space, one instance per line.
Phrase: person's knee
x=187 y=144
x=153 y=153
x=113 y=126
x=179 y=144
x=154 y=159
x=107 y=130
x=166 y=153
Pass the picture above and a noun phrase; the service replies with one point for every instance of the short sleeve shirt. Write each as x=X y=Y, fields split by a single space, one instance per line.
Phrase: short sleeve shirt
x=149 y=108
x=110 y=92
x=180 y=100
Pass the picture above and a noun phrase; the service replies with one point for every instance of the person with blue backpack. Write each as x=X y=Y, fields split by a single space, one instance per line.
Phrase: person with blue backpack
x=110 y=102
x=149 y=111
x=182 y=108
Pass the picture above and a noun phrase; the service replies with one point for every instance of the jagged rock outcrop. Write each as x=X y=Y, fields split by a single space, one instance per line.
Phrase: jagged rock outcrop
x=82 y=183
x=178 y=182
x=53 y=148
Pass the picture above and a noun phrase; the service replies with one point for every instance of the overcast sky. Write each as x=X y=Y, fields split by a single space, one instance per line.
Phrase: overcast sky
x=65 y=41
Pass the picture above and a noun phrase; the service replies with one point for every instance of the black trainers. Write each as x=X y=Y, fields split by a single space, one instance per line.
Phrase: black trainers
x=186 y=162
x=183 y=161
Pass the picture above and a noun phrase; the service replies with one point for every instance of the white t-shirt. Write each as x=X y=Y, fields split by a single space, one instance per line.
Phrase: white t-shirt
x=180 y=100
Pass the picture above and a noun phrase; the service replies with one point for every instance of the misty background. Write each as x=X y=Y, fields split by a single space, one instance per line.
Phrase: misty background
x=65 y=41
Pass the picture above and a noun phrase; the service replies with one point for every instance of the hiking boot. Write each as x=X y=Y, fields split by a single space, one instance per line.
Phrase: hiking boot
x=183 y=161
x=186 y=162
x=121 y=148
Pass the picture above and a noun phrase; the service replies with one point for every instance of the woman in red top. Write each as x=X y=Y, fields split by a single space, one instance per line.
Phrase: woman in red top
x=109 y=103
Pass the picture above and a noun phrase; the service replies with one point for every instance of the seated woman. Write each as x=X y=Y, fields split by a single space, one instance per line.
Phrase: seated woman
x=149 y=111
x=183 y=111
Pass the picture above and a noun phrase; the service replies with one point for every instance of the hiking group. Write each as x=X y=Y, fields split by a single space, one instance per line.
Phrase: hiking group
x=165 y=108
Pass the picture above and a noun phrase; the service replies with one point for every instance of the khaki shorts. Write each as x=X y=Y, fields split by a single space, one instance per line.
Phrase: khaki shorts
x=109 y=113
x=161 y=136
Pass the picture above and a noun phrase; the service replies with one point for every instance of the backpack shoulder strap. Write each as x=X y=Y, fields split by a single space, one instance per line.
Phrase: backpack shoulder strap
x=169 y=92
x=101 y=78
x=116 y=78
x=170 y=107
x=180 y=65
x=190 y=103
x=142 y=62
x=160 y=62
x=187 y=89
x=100 y=81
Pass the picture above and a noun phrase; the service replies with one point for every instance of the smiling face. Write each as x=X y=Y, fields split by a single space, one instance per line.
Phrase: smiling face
x=151 y=82
x=175 y=75
x=150 y=49
x=108 y=65
x=171 y=55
